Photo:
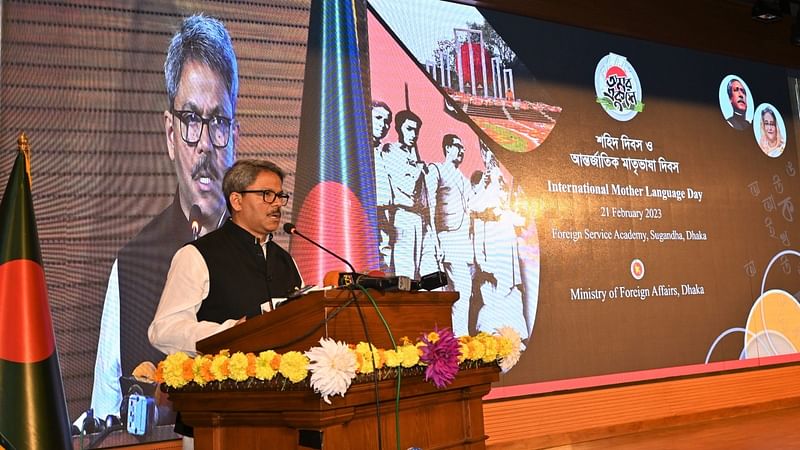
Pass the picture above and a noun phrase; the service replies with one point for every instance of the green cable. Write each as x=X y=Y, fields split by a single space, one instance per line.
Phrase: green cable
x=399 y=369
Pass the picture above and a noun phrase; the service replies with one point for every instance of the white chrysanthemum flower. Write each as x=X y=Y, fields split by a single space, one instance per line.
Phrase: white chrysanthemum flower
x=507 y=362
x=333 y=367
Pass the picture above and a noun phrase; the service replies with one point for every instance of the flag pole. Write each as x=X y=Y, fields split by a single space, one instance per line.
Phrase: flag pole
x=33 y=409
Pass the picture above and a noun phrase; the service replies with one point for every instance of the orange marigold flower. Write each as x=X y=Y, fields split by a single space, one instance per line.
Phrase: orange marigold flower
x=276 y=362
x=188 y=371
x=251 y=365
x=159 y=376
x=205 y=370
x=224 y=368
x=359 y=359
x=381 y=359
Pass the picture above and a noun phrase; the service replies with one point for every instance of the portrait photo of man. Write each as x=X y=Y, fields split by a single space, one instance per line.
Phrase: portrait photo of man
x=201 y=135
x=735 y=102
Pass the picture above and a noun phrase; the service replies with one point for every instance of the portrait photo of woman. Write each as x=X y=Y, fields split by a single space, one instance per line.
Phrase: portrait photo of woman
x=770 y=130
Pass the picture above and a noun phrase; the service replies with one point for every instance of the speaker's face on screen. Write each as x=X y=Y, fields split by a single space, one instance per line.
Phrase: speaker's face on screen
x=201 y=165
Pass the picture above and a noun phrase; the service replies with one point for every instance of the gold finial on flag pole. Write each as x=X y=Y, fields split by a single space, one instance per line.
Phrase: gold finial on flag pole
x=25 y=148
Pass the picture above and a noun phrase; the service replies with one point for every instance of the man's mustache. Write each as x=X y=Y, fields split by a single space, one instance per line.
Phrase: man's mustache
x=204 y=166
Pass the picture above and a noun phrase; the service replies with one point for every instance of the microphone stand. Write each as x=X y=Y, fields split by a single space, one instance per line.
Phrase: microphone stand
x=291 y=229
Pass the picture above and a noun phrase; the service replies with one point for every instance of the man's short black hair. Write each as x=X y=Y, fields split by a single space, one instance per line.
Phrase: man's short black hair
x=404 y=116
x=243 y=173
x=448 y=139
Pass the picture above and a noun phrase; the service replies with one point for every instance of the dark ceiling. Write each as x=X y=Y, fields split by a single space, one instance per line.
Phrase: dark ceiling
x=719 y=26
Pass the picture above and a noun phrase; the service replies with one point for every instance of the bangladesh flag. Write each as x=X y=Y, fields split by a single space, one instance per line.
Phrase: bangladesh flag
x=335 y=187
x=33 y=412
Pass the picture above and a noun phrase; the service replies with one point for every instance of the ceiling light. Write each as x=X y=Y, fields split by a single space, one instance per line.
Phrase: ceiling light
x=767 y=11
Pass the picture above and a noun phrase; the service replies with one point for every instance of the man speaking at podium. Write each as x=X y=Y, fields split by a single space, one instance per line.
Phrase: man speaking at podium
x=222 y=278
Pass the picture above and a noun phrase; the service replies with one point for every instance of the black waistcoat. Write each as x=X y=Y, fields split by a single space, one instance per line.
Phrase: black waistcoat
x=240 y=278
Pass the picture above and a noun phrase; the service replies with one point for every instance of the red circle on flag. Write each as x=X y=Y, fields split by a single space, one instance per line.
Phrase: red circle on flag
x=26 y=329
x=333 y=216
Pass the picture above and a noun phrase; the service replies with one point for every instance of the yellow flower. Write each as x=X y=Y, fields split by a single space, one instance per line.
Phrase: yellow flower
x=173 y=370
x=264 y=369
x=238 y=366
x=294 y=366
x=410 y=355
x=490 y=347
x=463 y=351
x=464 y=348
x=476 y=349
x=219 y=367
x=366 y=357
x=504 y=346
x=433 y=337
x=393 y=358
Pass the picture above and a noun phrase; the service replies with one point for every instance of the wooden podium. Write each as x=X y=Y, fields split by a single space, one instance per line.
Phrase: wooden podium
x=228 y=416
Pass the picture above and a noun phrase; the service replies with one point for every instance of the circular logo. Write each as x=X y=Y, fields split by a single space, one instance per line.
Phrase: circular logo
x=617 y=87
x=637 y=269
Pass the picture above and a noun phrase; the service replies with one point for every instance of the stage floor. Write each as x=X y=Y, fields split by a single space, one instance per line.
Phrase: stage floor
x=771 y=430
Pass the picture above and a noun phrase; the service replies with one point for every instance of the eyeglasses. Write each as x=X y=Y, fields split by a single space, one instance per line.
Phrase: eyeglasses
x=269 y=196
x=219 y=127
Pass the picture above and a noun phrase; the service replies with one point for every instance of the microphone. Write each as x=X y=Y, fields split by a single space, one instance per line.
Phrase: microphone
x=399 y=283
x=430 y=281
x=194 y=220
x=381 y=283
x=291 y=229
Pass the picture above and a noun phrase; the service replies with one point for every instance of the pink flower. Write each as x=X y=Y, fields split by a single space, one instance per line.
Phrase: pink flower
x=441 y=356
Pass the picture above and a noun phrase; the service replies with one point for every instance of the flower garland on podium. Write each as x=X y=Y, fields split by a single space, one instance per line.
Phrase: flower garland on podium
x=334 y=365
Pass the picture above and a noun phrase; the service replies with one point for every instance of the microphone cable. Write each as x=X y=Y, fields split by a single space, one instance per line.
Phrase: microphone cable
x=399 y=369
x=291 y=229
x=316 y=327
x=374 y=368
